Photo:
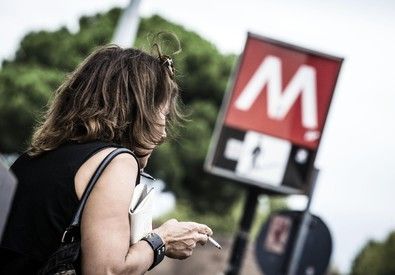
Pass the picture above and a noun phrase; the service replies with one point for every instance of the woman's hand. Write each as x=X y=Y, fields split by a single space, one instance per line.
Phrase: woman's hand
x=180 y=238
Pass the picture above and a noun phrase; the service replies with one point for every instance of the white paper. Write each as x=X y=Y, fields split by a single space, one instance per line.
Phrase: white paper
x=140 y=212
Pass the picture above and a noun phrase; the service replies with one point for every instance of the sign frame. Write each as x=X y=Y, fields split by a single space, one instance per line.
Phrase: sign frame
x=218 y=171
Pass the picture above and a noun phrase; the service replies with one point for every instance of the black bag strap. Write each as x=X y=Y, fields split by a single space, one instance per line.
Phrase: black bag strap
x=72 y=231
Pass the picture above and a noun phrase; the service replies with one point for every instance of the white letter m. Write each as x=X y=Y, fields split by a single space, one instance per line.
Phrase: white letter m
x=279 y=103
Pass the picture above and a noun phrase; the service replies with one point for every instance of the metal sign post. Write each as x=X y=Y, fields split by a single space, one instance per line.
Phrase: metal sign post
x=303 y=229
x=242 y=236
x=126 y=30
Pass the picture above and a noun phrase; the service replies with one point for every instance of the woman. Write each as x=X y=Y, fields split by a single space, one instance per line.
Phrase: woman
x=116 y=97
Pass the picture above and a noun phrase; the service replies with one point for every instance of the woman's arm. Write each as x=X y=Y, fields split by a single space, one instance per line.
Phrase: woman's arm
x=105 y=229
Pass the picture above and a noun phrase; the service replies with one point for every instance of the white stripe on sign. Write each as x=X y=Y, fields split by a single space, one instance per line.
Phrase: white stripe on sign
x=233 y=149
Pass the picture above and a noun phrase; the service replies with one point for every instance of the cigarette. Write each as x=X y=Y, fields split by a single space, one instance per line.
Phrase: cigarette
x=211 y=240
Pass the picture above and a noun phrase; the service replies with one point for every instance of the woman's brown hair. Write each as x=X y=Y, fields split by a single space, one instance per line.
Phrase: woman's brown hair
x=115 y=95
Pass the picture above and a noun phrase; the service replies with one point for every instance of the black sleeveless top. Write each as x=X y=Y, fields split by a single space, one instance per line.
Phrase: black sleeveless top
x=45 y=200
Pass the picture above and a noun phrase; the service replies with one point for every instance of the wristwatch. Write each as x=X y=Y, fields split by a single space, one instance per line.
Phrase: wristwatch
x=157 y=245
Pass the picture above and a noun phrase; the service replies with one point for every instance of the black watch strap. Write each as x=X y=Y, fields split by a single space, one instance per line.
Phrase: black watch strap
x=157 y=245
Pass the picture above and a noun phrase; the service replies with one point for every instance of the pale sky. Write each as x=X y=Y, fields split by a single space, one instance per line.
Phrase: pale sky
x=356 y=185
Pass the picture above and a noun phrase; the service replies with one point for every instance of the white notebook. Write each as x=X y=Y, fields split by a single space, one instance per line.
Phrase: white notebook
x=140 y=212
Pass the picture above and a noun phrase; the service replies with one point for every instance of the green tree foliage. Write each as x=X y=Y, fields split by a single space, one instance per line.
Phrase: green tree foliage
x=63 y=50
x=45 y=57
x=376 y=258
x=24 y=92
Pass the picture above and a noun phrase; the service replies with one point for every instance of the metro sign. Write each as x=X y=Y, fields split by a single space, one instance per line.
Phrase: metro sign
x=273 y=117
x=282 y=93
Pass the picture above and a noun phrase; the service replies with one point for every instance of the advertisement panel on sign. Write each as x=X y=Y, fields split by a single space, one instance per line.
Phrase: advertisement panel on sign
x=273 y=116
x=273 y=247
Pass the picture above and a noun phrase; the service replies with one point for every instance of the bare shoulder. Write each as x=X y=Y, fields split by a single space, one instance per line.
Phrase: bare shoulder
x=111 y=195
x=123 y=166
x=105 y=228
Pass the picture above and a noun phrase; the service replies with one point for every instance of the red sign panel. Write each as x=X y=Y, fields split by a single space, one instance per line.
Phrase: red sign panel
x=273 y=117
x=282 y=91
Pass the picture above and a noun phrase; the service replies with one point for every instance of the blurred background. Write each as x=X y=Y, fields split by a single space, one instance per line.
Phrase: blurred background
x=41 y=41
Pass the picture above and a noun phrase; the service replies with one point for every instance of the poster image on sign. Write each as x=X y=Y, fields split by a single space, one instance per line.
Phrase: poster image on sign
x=277 y=238
x=278 y=234
x=262 y=158
x=259 y=159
